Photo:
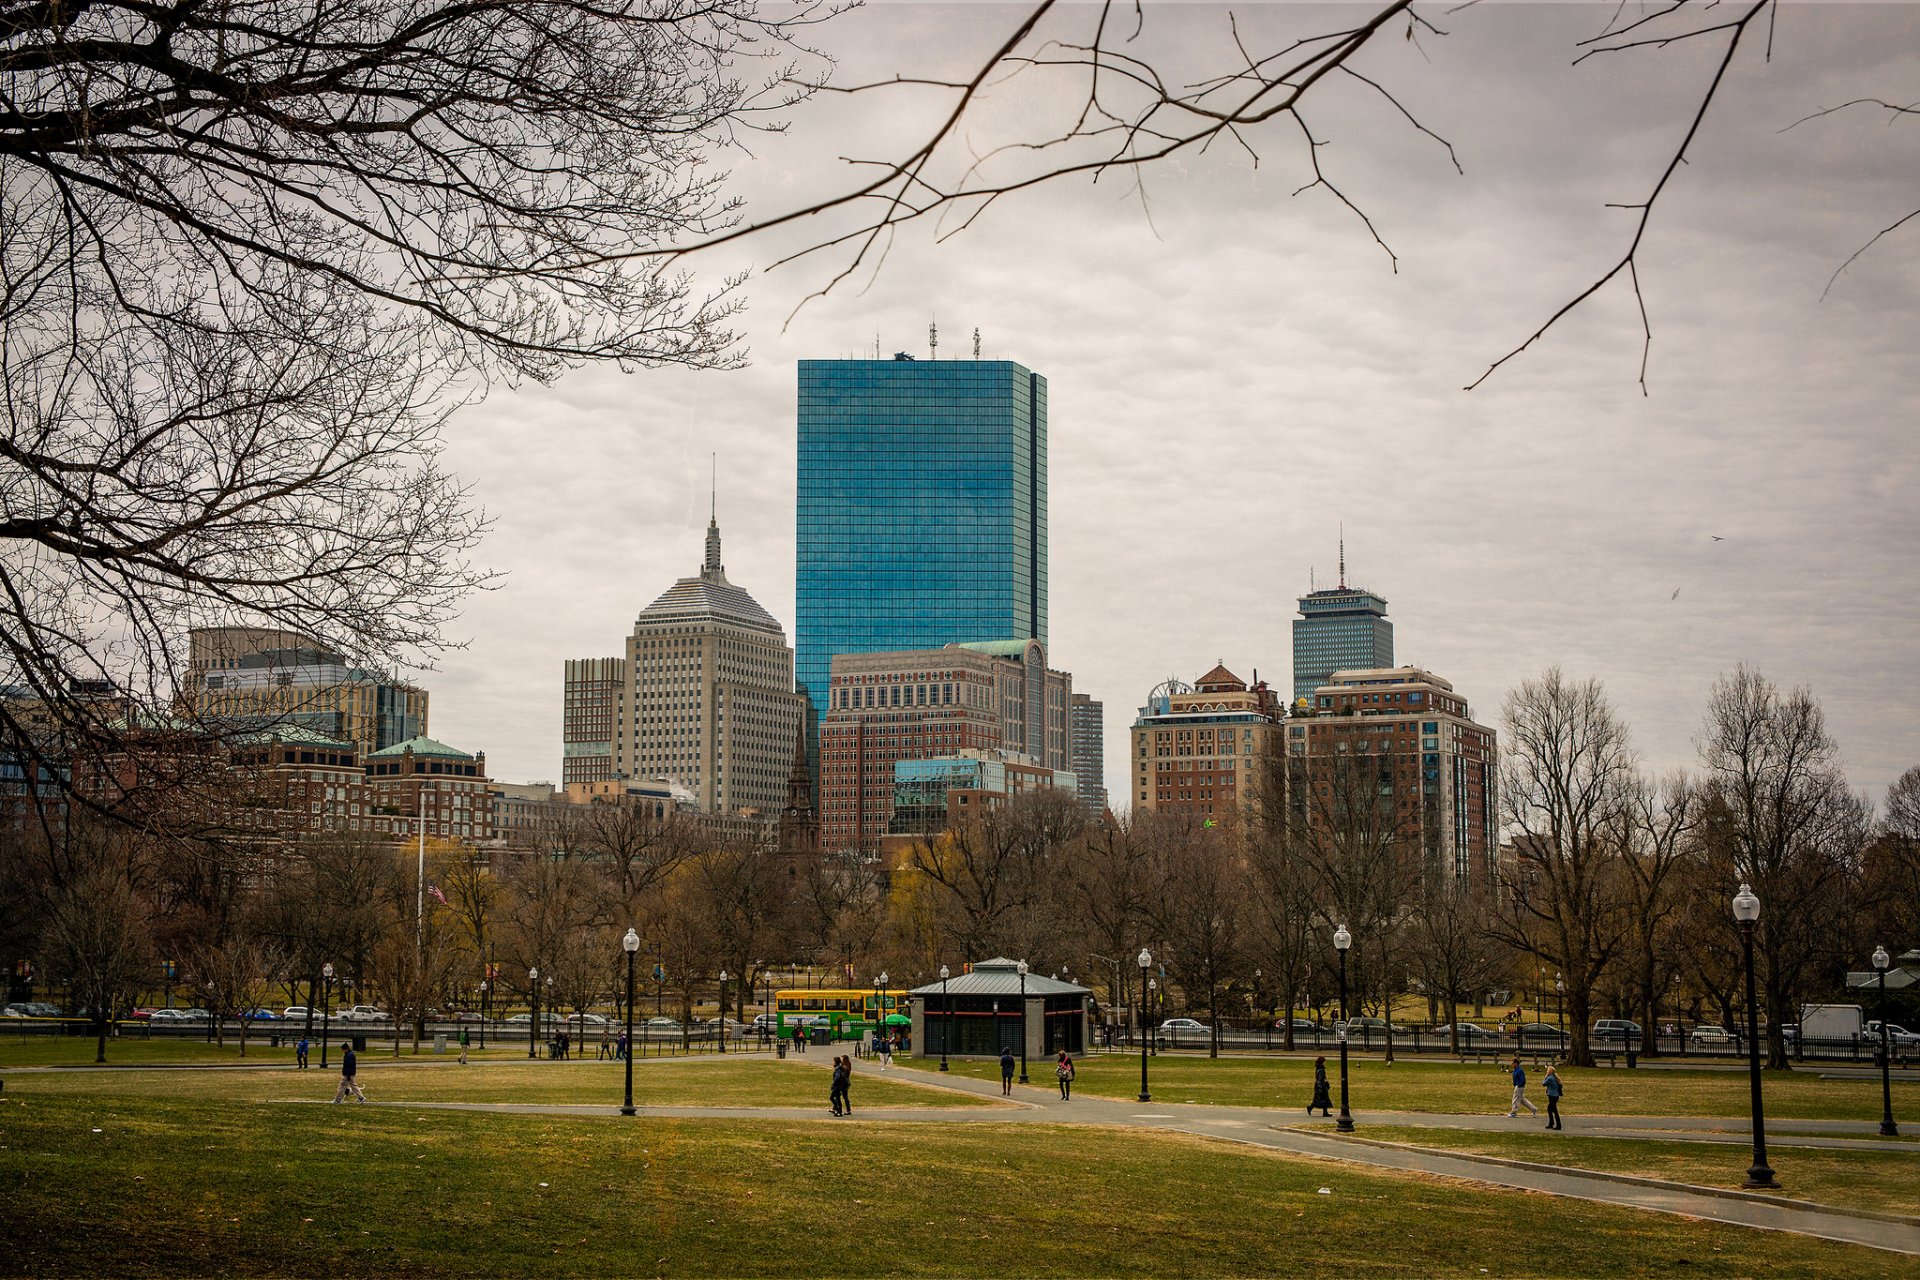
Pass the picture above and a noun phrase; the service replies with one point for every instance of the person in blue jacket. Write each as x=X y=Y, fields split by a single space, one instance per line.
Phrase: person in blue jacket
x=1554 y=1089
x=1518 y=1074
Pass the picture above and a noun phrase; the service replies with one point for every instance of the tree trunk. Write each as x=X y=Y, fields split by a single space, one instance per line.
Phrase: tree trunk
x=1213 y=1019
x=100 y=1039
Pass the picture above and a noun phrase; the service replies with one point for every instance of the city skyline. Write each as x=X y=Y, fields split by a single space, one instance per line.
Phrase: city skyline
x=1233 y=374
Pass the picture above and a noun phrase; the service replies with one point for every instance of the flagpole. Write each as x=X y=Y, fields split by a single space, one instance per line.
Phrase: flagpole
x=420 y=904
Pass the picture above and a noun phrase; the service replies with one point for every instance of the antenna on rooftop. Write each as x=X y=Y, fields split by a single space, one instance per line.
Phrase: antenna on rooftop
x=1343 y=555
x=933 y=341
x=976 y=342
x=713 y=513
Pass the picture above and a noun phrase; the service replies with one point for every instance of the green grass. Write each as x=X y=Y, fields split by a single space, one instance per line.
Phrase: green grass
x=755 y=1081
x=197 y=1184
x=135 y=1050
x=1287 y=1083
x=1881 y=1180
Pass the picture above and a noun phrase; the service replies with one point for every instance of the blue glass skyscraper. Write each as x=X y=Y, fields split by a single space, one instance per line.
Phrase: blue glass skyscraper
x=1343 y=629
x=922 y=508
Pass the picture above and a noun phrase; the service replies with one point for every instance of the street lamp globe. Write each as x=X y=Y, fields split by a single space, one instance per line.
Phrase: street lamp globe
x=1021 y=968
x=1144 y=960
x=943 y=973
x=1746 y=906
x=1881 y=960
x=630 y=943
x=883 y=979
x=723 y=975
x=326 y=971
x=1341 y=938
x=533 y=974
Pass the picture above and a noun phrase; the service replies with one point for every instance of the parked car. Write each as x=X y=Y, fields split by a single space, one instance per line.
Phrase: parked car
x=140 y=1014
x=1710 y=1035
x=1184 y=1028
x=15 y=1011
x=296 y=1013
x=1301 y=1026
x=260 y=1015
x=362 y=1013
x=656 y=1027
x=1369 y=1027
x=1541 y=1032
x=1617 y=1031
x=1900 y=1040
x=581 y=1023
x=1468 y=1031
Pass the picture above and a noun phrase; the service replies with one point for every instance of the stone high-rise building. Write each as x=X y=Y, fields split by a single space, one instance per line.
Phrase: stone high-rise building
x=709 y=701
x=1396 y=751
x=1089 y=752
x=1207 y=749
x=590 y=713
x=1341 y=628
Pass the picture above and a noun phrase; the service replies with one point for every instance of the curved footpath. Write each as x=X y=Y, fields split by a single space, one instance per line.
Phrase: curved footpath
x=1270 y=1129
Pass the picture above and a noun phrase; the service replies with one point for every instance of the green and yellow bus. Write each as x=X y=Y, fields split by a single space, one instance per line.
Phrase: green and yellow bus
x=850 y=1013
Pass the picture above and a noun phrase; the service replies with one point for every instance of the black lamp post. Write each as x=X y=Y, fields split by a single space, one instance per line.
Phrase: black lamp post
x=326 y=1008
x=631 y=945
x=483 y=1013
x=1341 y=941
x=1145 y=961
x=946 y=1036
x=1560 y=1008
x=1021 y=969
x=723 y=1011
x=1746 y=910
x=1881 y=962
x=533 y=998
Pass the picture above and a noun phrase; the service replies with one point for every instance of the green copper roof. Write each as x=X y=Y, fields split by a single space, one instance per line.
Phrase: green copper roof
x=293 y=735
x=421 y=747
x=997 y=648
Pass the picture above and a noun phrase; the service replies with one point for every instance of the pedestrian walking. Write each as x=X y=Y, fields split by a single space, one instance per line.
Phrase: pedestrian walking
x=886 y=1052
x=1063 y=1072
x=300 y=1054
x=837 y=1090
x=463 y=1046
x=621 y=1048
x=1322 y=1094
x=1518 y=1074
x=349 y=1068
x=1006 y=1072
x=1553 y=1086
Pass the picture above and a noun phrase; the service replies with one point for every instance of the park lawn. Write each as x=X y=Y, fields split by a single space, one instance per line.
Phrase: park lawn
x=753 y=1081
x=1287 y=1083
x=1878 y=1180
x=154 y=1186
x=41 y=1051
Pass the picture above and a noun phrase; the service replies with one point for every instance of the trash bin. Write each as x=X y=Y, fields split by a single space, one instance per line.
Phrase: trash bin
x=821 y=1035
x=273 y=1040
x=360 y=1043
x=440 y=1042
x=780 y=1048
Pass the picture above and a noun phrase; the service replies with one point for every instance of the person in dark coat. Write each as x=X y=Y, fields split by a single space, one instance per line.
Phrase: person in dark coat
x=349 y=1069
x=837 y=1092
x=1006 y=1072
x=1063 y=1072
x=1322 y=1095
x=1554 y=1089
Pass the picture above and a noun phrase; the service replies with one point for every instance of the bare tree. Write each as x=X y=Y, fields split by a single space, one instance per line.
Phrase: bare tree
x=1452 y=947
x=1778 y=815
x=1656 y=830
x=987 y=873
x=1199 y=909
x=252 y=254
x=92 y=917
x=1567 y=781
x=1892 y=861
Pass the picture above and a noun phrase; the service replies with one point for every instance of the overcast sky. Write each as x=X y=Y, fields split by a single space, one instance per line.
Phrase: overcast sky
x=1234 y=371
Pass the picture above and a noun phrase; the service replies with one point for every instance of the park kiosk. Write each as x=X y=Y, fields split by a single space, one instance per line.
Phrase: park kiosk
x=994 y=1005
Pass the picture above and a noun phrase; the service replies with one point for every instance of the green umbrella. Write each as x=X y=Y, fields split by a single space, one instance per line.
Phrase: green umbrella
x=899 y=1020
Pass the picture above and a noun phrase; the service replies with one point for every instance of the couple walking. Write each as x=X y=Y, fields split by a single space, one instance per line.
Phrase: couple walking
x=1062 y=1072
x=1551 y=1082
x=838 y=1093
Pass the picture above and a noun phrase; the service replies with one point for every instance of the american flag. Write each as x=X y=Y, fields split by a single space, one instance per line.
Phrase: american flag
x=438 y=896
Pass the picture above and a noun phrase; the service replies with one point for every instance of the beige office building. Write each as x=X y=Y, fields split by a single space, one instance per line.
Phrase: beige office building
x=258 y=677
x=1204 y=749
x=708 y=701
